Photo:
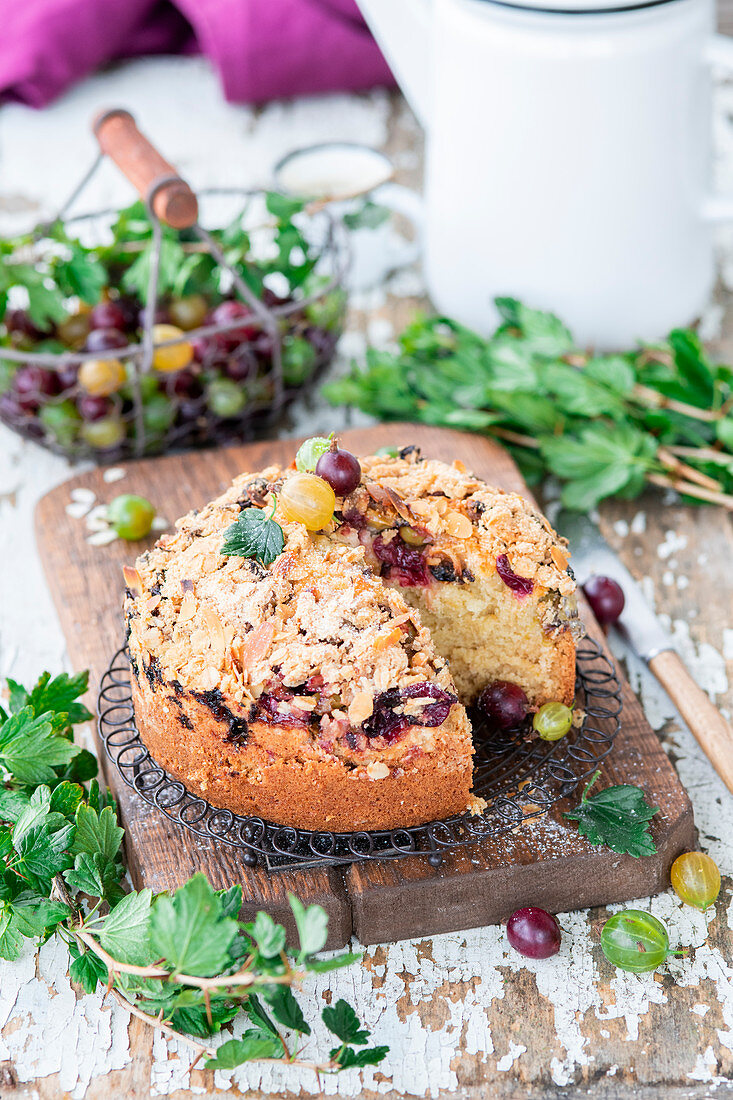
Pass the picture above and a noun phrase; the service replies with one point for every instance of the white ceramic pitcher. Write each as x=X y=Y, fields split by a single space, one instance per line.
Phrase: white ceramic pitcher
x=569 y=155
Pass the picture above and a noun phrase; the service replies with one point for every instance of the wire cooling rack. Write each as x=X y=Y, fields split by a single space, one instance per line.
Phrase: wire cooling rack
x=519 y=776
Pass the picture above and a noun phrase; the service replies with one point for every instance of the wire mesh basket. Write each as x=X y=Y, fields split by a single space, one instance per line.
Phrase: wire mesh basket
x=127 y=377
x=520 y=776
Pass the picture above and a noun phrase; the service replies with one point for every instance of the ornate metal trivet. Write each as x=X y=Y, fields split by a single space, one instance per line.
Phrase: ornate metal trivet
x=519 y=776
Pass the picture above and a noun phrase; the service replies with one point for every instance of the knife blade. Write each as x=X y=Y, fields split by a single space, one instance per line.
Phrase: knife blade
x=590 y=553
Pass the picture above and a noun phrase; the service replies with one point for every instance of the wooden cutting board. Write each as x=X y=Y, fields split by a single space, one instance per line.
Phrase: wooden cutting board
x=544 y=862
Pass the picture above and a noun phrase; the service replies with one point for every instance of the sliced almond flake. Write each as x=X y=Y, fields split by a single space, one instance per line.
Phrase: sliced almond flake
x=114 y=473
x=560 y=557
x=188 y=608
x=304 y=702
x=83 y=496
x=77 y=510
x=384 y=641
x=377 y=770
x=99 y=511
x=216 y=630
x=458 y=525
x=99 y=524
x=256 y=645
x=458 y=465
x=102 y=538
x=361 y=706
x=152 y=603
x=210 y=678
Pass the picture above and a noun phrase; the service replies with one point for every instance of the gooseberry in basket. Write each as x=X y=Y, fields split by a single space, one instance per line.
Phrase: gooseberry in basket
x=32 y=384
x=74 y=329
x=10 y=410
x=241 y=364
x=68 y=375
x=93 y=407
x=234 y=310
x=189 y=312
x=299 y=359
x=105 y=339
x=62 y=422
x=225 y=398
x=101 y=377
x=186 y=384
x=103 y=434
x=108 y=315
x=18 y=323
x=170 y=357
x=158 y=414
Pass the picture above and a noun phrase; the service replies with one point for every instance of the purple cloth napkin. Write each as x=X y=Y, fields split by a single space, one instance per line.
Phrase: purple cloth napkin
x=262 y=49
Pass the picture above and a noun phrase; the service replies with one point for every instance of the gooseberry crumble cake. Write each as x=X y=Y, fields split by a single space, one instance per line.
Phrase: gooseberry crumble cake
x=303 y=648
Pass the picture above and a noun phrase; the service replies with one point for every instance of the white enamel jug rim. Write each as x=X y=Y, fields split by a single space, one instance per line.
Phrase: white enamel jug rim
x=576 y=7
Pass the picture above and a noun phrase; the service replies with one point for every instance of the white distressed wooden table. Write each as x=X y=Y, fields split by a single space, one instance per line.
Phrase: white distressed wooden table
x=462 y=1013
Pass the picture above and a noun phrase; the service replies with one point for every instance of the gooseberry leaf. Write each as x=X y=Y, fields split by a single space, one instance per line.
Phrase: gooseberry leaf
x=618 y=817
x=312 y=925
x=254 y=535
x=189 y=929
x=348 y=1058
x=344 y=1023
x=253 y=1044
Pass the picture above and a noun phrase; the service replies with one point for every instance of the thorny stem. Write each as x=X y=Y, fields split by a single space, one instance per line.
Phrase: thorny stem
x=242 y=979
x=210 y=1052
x=653 y=399
x=690 y=490
x=702 y=454
x=674 y=464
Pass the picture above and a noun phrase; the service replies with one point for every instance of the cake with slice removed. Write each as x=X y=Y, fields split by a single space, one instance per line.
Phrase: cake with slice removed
x=310 y=666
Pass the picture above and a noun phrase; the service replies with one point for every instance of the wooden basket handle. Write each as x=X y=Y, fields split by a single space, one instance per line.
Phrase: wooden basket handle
x=155 y=180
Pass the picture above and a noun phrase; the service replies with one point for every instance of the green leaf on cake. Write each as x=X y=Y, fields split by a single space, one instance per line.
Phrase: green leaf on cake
x=618 y=817
x=254 y=535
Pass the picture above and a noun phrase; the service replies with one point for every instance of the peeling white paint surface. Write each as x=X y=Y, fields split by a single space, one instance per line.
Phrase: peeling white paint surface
x=45 y=1028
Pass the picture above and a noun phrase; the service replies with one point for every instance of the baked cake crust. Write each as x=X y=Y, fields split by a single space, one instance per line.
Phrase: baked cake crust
x=315 y=692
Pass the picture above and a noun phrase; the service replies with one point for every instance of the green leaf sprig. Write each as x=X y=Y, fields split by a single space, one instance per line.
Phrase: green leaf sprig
x=184 y=962
x=618 y=817
x=255 y=535
x=605 y=425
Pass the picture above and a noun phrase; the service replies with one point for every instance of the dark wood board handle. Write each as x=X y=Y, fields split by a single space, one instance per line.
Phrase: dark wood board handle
x=714 y=735
x=119 y=138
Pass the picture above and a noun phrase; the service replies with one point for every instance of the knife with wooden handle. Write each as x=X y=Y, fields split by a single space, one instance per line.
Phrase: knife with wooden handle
x=648 y=638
